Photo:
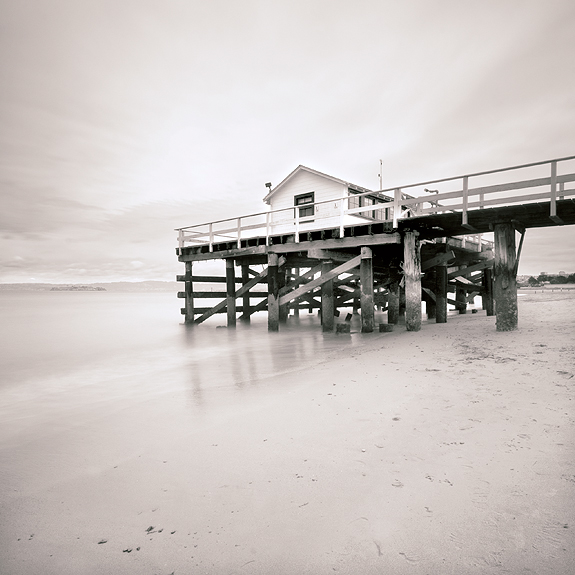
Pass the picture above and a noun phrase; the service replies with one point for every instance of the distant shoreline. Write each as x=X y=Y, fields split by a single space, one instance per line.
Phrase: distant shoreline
x=143 y=286
x=78 y=288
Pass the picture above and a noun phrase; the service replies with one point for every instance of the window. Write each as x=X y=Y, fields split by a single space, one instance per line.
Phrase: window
x=304 y=200
x=354 y=202
x=381 y=214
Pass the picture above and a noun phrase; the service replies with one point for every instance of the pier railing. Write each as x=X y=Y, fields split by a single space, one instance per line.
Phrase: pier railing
x=459 y=194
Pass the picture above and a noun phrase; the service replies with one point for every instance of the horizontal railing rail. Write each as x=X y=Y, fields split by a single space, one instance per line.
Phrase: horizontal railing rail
x=391 y=205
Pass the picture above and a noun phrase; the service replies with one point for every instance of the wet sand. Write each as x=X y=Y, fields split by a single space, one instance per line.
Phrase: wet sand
x=449 y=450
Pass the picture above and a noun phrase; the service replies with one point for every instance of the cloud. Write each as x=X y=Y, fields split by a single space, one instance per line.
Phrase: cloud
x=124 y=120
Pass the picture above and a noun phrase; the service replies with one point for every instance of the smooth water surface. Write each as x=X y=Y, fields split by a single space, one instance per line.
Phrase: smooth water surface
x=64 y=351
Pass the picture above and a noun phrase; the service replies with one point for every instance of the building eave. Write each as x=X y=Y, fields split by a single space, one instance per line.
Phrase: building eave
x=311 y=171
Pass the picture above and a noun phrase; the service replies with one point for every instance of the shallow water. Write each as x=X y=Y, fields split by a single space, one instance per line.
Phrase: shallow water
x=64 y=351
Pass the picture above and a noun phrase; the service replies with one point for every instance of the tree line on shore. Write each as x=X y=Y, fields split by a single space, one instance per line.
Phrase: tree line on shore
x=554 y=279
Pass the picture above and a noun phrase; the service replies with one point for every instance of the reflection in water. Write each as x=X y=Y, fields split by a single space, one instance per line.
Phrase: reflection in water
x=241 y=358
x=196 y=384
x=62 y=352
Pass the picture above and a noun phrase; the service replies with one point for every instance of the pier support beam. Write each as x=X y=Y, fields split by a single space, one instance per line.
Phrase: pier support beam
x=505 y=288
x=461 y=300
x=327 y=300
x=231 y=292
x=366 y=291
x=412 y=274
x=189 y=291
x=430 y=305
x=441 y=294
x=296 y=272
x=282 y=280
x=273 y=293
x=247 y=312
x=393 y=304
x=487 y=297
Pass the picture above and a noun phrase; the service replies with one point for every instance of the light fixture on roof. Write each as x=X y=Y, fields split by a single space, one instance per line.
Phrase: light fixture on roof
x=269 y=186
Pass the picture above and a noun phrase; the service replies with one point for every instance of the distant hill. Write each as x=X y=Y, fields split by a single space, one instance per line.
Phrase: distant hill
x=145 y=286
x=78 y=288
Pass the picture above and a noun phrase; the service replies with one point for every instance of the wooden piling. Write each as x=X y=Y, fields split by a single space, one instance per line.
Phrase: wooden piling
x=231 y=292
x=461 y=300
x=441 y=294
x=412 y=275
x=273 y=293
x=296 y=273
x=487 y=295
x=189 y=291
x=430 y=305
x=393 y=304
x=246 y=297
x=505 y=288
x=401 y=300
x=366 y=291
x=327 y=299
x=284 y=309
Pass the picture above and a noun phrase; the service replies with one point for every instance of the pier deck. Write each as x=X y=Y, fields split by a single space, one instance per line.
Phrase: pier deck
x=430 y=246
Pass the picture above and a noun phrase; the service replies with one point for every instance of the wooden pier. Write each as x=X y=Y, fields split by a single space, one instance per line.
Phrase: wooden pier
x=428 y=248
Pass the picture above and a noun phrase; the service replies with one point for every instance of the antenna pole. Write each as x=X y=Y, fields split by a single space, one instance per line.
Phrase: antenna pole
x=380 y=174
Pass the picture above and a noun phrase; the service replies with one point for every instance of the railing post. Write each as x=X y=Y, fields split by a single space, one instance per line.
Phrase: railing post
x=341 y=217
x=180 y=241
x=239 y=233
x=267 y=228
x=297 y=225
x=211 y=237
x=464 y=222
x=396 y=206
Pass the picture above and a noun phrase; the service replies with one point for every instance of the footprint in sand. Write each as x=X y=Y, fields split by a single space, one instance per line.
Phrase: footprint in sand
x=411 y=558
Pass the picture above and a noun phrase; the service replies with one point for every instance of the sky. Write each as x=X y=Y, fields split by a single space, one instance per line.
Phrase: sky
x=121 y=120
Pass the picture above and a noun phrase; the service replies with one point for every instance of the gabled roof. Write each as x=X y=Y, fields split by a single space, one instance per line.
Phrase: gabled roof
x=321 y=174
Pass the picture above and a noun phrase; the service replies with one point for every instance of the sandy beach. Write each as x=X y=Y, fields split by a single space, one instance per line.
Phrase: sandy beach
x=449 y=450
